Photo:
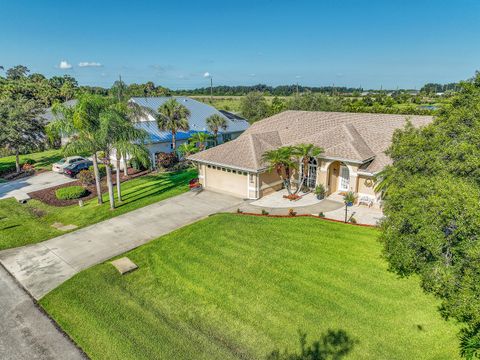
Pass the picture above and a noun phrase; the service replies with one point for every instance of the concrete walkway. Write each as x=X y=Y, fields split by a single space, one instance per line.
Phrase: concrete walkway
x=26 y=332
x=21 y=187
x=42 y=267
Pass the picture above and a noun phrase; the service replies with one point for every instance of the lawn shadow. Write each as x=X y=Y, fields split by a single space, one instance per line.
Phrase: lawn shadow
x=133 y=199
x=9 y=227
x=332 y=345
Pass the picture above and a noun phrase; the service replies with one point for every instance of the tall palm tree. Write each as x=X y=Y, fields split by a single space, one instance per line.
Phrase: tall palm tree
x=117 y=134
x=280 y=160
x=200 y=139
x=304 y=152
x=173 y=116
x=81 y=124
x=128 y=140
x=216 y=122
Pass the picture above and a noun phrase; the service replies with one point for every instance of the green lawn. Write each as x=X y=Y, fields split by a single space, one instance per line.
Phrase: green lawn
x=31 y=222
x=43 y=160
x=237 y=287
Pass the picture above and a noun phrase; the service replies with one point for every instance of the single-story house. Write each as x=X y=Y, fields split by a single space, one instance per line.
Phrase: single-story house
x=354 y=147
x=161 y=141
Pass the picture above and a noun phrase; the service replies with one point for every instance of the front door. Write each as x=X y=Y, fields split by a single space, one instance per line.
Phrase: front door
x=344 y=179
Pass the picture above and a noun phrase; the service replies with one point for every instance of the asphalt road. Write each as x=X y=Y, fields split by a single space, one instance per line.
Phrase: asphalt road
x=25 y=331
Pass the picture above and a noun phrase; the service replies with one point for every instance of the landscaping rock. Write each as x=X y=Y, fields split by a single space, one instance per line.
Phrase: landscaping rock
x=124 y=265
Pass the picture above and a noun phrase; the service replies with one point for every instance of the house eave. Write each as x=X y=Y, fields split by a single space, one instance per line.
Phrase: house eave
x=228 y=166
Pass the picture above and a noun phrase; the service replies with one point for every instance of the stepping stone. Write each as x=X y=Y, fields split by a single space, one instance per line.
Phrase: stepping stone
x=124 y=265
x=60 y=226
x=22 y=198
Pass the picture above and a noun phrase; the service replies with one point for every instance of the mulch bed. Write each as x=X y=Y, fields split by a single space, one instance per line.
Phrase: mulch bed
x=48 y=197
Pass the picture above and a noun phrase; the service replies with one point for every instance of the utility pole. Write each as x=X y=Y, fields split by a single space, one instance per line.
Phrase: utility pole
x=211 y=88
x=297 y=88
x=120 y=84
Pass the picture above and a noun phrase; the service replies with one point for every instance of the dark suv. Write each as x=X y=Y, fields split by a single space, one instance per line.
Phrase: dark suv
x=74 y=169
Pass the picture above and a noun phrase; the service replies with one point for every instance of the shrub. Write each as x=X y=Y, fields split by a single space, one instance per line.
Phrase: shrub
x=166 y=160
x=353 y=220
x=101 y=169
x=27 y=167
x=71 y=192
x=321 y=214
x=137 y=165
x=320 y=190
x=291 y=212
x=86 y=177
x=264 y=212
x=28 y=161
x=239 y=211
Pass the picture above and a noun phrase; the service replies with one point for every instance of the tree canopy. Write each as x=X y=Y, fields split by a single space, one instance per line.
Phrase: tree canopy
x=432 y=209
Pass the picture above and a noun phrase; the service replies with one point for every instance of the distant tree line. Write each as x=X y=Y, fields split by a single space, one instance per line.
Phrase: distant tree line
x=282 y=90
x=254 y=105
x=433 y=88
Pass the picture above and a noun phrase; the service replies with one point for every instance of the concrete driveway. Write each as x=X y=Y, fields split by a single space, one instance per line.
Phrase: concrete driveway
x=44 y=266
x=26 y=332
x=21 y=187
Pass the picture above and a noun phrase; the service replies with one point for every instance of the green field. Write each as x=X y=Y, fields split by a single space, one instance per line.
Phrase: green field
x=22 y=224
x=238 y=287
x=43 y=160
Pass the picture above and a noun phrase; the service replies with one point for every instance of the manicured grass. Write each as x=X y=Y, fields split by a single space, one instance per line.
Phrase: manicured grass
x=43 y=160
x=31 y=223
x=237 y=287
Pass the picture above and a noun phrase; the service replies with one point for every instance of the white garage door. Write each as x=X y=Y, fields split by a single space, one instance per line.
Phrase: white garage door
x=226 y=180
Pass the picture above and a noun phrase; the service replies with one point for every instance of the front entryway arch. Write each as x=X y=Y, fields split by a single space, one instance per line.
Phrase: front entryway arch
x=338 y=178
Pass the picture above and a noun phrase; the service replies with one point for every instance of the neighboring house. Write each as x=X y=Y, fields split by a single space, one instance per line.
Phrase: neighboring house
x=354 y=151
x=49 y=117
x=161 y=141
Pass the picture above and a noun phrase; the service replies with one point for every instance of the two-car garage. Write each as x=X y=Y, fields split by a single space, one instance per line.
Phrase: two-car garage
x=221 y=179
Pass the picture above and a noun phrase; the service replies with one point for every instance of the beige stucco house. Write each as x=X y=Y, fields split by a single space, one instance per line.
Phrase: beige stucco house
x=354 y=151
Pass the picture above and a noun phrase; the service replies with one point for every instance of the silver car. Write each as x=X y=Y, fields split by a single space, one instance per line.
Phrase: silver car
x=62 y=164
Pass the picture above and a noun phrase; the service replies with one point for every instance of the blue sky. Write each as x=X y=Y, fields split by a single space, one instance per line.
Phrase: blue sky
x=173 y=43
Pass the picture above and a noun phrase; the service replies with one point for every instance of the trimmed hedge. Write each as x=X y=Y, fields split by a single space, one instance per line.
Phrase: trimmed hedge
x=101 y=169
x=71 y=192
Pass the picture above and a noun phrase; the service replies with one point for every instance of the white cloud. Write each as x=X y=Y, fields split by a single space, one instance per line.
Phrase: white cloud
x=89 y=64
x=252 y=75
x=64 y=65
x=207 y=75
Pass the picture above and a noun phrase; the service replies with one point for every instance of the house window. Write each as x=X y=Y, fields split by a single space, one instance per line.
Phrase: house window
x=209 y=166
x=227 y=137
x=171 y=146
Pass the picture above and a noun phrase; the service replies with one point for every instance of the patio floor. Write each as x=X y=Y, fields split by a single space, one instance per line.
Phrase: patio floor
x=276 y=200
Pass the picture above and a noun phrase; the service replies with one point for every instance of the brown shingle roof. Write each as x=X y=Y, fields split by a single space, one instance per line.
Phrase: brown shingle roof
x=348 y=136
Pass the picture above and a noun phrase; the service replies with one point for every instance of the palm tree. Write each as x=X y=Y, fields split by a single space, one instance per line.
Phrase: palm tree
x=200 y=139
x=173 y=116
x=280 y=160
x=135 y=113
x=117 y=134
x=81 y=124
x=216 y=122
x=384 y=180
x=128 y=140
x=304 y=152
x=187 y=149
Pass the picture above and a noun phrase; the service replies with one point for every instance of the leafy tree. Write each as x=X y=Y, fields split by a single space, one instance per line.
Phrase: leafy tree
x=173 y=116
x=254 y=107
x=431 y=208
x=216 y=122
x=22 y=127
x=17 y=72
x=278 y=105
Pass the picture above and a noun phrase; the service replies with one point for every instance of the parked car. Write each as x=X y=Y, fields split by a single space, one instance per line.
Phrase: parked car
x=65 y=162
x=75 y=168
